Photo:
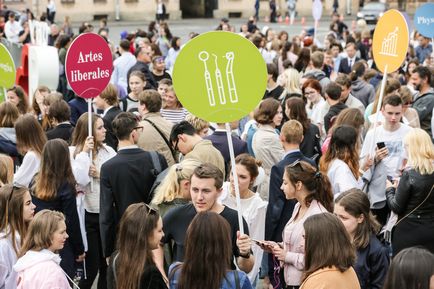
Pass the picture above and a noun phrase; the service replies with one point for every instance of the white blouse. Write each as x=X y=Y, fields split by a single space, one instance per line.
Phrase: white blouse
x=80 y=168
x=27 y=170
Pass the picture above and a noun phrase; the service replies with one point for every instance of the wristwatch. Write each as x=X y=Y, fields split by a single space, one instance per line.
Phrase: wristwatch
x=246 y=256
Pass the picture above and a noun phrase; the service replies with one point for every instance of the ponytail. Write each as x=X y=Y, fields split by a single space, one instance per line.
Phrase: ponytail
x=323 y=192
x=316 y=183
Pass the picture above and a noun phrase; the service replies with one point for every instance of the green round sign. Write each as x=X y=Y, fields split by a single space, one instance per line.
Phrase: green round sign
x=220 y=76
x=7 y=68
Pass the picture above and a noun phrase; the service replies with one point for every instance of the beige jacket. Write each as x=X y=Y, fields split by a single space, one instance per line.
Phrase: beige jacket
x=331 y=278
x=269 y=150
x=151 y=140
x=205 y=152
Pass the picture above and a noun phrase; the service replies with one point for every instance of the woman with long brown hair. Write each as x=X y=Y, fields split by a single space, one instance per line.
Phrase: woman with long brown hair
x=310 y=146
x=312 y=190
x=18 y=97
x=341 y=160
x=132 y=265
x=349 y=116
x=54 y=188
x=353 y=209
x=16 y=212
x=30 y=142
x=329 y=254
x=8 y=140
x=207 y=259
x=6 y=170
x=86 y=172
x=38 y=109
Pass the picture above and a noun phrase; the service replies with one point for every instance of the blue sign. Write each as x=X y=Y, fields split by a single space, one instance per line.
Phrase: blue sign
x=424 y=20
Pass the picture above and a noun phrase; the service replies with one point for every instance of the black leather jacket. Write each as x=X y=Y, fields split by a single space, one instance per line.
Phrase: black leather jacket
x=412 y=190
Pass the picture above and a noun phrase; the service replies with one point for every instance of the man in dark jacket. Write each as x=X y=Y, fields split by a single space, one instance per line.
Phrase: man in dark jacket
x=127 y=178
x=143 y=56
x=424 y=103
x=333 y=98
x=279 y=209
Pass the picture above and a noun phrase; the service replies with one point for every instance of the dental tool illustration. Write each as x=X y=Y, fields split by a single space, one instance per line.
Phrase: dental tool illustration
x=230 y=77
x=203 y=56
x=219 y=80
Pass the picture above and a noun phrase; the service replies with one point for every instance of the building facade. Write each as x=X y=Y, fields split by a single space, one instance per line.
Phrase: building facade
x=88 y=10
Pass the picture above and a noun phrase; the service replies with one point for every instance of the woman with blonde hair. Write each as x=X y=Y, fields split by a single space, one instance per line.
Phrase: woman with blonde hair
x=175 y=188
x=412 y=197
x=291 y=82
x=172 y=109
x=30 y=142
x=38 y=265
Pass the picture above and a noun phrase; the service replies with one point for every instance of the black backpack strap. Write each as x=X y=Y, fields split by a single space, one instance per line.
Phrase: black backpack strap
x=124 y=104
x=155 y=163
x=163 y=136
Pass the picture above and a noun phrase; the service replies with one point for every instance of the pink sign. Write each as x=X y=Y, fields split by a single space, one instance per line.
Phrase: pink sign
x=88 y=65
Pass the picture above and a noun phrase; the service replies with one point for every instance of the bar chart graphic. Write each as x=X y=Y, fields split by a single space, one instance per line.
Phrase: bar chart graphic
x=390 y=44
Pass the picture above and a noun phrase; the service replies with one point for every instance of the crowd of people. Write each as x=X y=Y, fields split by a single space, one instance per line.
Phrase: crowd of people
x=335 y=188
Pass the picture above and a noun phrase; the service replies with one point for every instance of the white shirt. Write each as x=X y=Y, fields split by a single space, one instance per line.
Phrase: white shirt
x=342 y=178
x=27 y=170
x=121 y=66
x=12 y=30
x=394 y=143
x=253 y=210
x=80 y=168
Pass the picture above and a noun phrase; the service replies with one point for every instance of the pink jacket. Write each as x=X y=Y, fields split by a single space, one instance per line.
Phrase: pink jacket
x=293 y=243
x=40 y=270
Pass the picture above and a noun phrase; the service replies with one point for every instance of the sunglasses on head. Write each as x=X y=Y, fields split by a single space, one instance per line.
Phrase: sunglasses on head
x=150 y=210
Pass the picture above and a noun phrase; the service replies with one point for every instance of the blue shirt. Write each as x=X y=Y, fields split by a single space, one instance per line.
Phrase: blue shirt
x=423 y=52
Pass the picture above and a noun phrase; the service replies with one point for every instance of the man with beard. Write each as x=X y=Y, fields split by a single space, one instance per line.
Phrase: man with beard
x=424 y=103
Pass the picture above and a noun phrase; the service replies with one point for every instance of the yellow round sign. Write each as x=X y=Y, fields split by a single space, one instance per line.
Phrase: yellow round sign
x=391 y=41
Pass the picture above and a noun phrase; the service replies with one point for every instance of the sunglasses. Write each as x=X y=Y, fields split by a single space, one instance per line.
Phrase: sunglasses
x=150 y=210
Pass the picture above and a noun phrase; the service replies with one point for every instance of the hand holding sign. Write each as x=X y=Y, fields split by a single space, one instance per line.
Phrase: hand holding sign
x=220 y=77
x=390 y=45
x=88 y=68
x=88 y=65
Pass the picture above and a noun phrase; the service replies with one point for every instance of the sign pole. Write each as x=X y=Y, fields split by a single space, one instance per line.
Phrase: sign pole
x=235 y=176
x=89 y=123
x=379 y=104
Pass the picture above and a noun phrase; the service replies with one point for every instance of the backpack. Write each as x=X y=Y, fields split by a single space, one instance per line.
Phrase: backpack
x=158 y=174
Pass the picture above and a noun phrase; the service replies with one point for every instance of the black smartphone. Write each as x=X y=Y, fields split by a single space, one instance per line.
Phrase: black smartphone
x=381 y=145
